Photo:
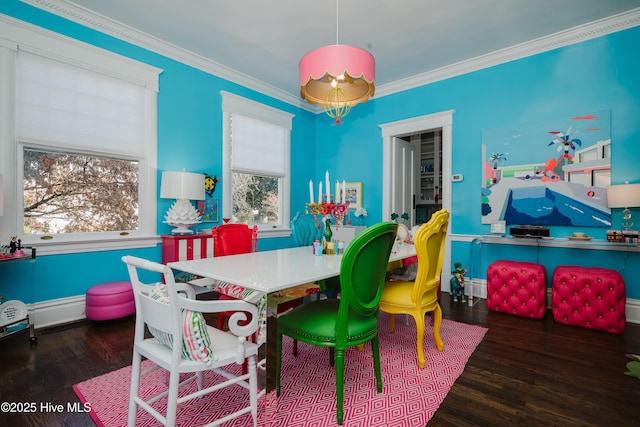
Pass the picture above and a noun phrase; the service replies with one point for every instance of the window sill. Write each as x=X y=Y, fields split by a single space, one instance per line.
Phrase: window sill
x=59 y=248
x=269 y=233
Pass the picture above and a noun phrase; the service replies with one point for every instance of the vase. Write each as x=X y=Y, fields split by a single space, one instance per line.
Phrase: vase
x=327 y=231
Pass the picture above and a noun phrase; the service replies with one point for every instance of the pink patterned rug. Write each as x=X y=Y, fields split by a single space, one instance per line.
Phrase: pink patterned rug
x=409 y=398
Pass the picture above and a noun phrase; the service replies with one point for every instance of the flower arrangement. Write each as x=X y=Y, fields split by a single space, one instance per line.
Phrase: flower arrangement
x=361 y=212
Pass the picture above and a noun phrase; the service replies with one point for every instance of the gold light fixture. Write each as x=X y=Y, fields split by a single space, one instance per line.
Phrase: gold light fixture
x=337 y=77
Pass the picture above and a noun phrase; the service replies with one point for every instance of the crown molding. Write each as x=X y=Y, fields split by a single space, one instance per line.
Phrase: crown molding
x=568 y=37
x=88 y=18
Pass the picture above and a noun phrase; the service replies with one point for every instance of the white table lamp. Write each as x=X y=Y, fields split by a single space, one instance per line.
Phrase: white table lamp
x=624 y=196
x=184 y=187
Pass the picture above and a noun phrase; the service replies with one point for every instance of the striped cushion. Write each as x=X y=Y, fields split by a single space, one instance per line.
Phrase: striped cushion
x=196 y=344
x=254 y=297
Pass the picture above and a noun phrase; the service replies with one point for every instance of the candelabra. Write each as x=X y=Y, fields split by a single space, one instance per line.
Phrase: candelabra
x=336 y=210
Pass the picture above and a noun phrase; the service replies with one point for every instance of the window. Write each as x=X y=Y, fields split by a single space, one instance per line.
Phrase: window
x=75 y=193
x=79 y=158
x=256 y=159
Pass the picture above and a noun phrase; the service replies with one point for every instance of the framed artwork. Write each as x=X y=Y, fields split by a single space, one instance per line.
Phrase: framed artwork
x=548 y=173
x=208 y=209
x=352 y=193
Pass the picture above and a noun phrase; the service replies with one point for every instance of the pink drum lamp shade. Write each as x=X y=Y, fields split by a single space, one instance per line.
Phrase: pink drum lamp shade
x=323 y=69
x=337 y=77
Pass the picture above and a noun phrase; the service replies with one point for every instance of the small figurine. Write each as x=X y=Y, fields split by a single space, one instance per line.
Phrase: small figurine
x=457 y=282
x=13 y=245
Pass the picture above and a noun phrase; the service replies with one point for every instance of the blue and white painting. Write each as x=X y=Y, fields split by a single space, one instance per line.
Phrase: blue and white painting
x=548 y=173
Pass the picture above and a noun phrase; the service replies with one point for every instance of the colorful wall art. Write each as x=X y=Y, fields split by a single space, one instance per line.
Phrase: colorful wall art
x=548 y=173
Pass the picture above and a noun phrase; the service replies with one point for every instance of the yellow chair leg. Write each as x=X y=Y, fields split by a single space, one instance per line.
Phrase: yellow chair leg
x=420 y=339
x=437 y=322
x=360 y=347
x=392 y=323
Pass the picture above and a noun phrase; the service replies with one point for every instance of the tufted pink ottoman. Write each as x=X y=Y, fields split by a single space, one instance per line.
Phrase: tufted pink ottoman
x=110 y=300
x=592 y=298
x=517 y=288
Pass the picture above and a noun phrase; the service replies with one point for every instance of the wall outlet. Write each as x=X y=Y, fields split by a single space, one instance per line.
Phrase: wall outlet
x=457 y=177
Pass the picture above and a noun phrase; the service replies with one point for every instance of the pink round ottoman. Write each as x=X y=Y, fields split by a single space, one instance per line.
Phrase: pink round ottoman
x=110 y=300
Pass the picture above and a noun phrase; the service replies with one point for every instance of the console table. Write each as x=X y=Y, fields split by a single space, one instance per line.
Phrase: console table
x=12 y=320
x=545 y=242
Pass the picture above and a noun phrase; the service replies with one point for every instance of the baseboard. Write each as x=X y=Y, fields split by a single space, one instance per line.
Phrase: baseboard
x=632 y=309
x=57 y=311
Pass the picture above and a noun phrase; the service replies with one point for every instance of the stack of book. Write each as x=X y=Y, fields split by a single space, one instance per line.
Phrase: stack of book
x=623 y=236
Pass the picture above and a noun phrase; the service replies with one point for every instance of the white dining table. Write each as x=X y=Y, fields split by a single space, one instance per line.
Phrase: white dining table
x=276 y=270
x=271 y=272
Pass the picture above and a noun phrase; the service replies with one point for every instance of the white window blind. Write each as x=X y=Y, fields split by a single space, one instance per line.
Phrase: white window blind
x=64 y=105
x=258 y=147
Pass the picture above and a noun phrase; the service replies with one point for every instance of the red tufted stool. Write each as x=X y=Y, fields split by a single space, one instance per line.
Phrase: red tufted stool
x=592 y=298
x=110 y=300
x=518 y=288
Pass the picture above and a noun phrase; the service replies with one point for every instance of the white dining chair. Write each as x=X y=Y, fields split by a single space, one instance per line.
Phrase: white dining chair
x=173 y=316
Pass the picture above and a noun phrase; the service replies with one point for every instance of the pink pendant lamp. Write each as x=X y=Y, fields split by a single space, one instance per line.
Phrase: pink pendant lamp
x=337 y=77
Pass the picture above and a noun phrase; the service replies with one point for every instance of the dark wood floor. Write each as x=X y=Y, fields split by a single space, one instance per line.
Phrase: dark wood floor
x=524 y=373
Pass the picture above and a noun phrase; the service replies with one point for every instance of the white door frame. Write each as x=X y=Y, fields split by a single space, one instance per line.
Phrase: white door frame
x=443 y=120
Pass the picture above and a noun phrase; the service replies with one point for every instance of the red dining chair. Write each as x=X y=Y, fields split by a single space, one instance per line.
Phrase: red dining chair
x=233 y=239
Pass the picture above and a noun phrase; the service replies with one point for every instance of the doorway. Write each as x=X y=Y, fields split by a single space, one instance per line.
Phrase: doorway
x=394 y=180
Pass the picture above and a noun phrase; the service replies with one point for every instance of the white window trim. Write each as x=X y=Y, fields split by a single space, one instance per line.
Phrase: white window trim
x=232 y=103
x=17 y=35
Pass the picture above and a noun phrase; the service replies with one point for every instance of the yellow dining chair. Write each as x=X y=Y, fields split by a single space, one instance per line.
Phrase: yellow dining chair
x=421 y=296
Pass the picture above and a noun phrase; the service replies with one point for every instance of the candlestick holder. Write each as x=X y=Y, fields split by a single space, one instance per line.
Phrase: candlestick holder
x=338 y=211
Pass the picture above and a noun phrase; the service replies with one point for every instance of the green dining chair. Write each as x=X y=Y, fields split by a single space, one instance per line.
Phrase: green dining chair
x=351 y=320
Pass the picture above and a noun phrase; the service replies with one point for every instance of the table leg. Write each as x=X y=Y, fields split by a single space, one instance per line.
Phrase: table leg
x=270 y=374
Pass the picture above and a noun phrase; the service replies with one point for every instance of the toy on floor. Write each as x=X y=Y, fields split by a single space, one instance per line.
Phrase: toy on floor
x=633 y=367
x=457 y=282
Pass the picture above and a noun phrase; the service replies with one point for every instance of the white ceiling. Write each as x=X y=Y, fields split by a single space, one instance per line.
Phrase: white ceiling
x=266 y=39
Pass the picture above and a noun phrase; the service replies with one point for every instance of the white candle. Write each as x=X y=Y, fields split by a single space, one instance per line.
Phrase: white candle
x=344 y=192
x=310 y=191
x=320 y=192
x=328 y=186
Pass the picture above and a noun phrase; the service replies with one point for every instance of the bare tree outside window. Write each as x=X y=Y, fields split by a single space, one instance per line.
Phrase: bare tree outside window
x=255 y=199
x=76 y=193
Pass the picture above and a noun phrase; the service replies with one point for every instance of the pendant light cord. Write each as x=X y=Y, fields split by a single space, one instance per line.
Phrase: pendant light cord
x=337 y=22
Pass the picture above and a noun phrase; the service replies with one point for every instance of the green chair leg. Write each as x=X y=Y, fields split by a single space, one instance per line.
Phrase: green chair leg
x=375 y=348
x=340 y=385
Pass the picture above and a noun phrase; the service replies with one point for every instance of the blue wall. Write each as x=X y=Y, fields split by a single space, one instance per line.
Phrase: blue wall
x=596 y=75
x=599 y=74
